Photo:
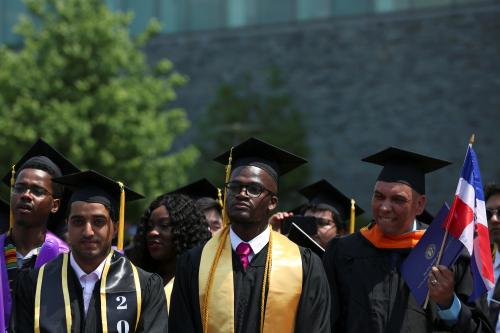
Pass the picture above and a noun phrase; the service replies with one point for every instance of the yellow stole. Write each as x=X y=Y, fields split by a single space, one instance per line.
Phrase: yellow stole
x=216 y=286
x=105 y=287
x=168 y=291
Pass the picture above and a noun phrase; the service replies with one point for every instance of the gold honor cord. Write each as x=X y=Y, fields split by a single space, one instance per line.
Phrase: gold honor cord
x=37 y=298
x=168 y=292
x=104 y=316
x=12 y=181
x=121 y=220
x=283 y=276
x=138 y=294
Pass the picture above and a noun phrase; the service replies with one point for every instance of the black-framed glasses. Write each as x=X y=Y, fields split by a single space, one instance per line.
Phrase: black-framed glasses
x=490 y=212
x=253 y=190
x=37 y=191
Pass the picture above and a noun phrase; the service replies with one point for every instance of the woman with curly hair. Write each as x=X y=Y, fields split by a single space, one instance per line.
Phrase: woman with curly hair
x=170 y=226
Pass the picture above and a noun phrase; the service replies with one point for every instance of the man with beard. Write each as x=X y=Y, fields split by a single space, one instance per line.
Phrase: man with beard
x=368 y=291
x=248 y=278
x=94 y=288
x=34 y=200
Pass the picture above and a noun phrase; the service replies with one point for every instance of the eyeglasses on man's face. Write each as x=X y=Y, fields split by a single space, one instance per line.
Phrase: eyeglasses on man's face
x=37 y=191
x=253 y=190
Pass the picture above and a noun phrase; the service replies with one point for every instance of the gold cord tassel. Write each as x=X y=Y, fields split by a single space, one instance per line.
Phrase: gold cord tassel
x=121 y=219
x=352 y=224
x=12 y=181
x=219 y=198
x=225 y=218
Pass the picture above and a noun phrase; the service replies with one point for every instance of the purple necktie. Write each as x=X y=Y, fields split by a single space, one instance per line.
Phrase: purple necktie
x=243 y=250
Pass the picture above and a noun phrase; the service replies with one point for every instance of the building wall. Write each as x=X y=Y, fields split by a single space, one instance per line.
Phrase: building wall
x=424 y=81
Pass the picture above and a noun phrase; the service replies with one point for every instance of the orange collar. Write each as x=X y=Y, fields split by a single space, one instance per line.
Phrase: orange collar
x=375 y=236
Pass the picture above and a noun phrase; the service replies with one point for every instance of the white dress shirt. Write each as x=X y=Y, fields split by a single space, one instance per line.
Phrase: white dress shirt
x=87 y=281
x=21 y=259
x=257 y=244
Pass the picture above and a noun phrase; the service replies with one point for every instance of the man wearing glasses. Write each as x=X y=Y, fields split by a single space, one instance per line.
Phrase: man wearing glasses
x=248 y=278
x=492 y=196
x=330 y=207
x=34 y=200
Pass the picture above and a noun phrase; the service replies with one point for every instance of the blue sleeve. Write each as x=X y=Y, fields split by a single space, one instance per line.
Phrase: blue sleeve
x=450 y=315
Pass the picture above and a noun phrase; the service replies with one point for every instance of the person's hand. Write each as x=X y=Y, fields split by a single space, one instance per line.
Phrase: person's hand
x=277 y=219
x=441 y=286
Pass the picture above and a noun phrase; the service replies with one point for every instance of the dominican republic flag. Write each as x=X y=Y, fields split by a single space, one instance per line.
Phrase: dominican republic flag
x=467 y=222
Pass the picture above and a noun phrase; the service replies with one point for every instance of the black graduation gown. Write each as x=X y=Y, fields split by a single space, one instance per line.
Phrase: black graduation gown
x=314 y=305
x=370 y=295
x=153 y=318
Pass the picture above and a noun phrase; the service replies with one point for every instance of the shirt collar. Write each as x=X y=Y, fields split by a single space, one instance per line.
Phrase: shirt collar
x=257 y=243
x=80 y=272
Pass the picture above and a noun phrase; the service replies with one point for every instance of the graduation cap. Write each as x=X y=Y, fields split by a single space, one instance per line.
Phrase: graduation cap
x=202 y=188
x=92 y=187
x=42 y=156
x=402 y=166
x=301 y=238
x=254 y=152
x=325 y=194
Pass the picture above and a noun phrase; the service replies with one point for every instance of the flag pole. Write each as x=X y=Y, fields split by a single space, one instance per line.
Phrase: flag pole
x=443 y=242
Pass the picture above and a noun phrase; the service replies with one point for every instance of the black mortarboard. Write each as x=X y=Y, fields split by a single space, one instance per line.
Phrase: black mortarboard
x=299 y=237
x=402 y=166
x=325 y=194
x=90 y=186
x=254 y=152
x=41 y=153
x=425 y=217
x=199 y=189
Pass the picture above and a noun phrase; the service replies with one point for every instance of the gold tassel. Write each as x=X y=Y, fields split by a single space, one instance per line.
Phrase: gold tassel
x=219 y=198
x=494 y=249
x=121 y=219
x=352 y=224
x=267 y=277
x=225 y=218
x=12 y=181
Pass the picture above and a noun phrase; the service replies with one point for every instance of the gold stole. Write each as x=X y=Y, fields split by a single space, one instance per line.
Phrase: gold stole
x=284 y=284
x=168 y=291
x=103 y=295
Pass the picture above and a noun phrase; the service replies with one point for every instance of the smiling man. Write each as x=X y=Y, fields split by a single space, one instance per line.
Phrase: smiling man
x=94 y=288
x=248 y=278
x=368 y=291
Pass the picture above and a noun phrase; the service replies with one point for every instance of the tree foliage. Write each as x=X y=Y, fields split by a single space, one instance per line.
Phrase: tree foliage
x=83 y=84
x=254 y=107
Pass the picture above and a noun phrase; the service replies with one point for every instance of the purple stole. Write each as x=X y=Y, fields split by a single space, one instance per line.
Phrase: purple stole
x=51 y=248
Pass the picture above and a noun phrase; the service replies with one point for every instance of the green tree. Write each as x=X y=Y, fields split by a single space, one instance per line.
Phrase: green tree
x=260 y=108
x=83 y=84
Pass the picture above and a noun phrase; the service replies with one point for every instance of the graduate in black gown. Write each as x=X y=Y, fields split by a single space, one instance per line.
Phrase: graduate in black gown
x=219 y=286
x=368 y=291
x=93 y=288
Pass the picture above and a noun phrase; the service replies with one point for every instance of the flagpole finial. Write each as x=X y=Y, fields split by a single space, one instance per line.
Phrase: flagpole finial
x=471 y=141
